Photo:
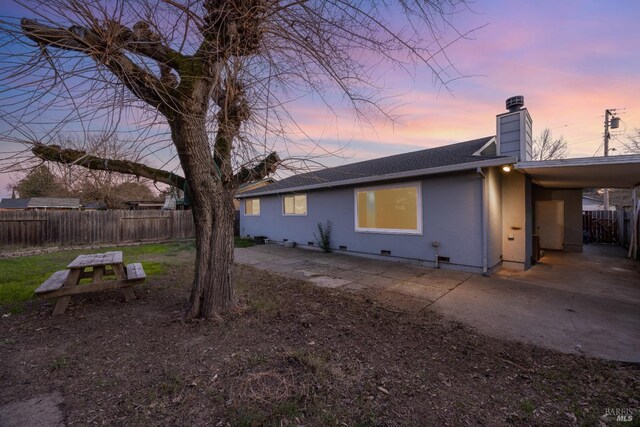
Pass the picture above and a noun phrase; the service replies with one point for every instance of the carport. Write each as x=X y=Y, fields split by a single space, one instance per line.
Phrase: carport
x=556 y=196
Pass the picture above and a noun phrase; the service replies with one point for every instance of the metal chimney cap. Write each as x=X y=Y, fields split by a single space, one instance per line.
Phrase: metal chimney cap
x=515 y=103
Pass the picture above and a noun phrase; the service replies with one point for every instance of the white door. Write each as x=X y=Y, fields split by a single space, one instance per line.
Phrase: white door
x=550 y=224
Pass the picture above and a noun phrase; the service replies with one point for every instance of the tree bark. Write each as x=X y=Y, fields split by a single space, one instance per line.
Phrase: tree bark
x=213 y=213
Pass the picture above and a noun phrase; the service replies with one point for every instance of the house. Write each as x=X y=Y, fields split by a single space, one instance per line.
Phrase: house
x=619 y=199
x=248 y=186
x=475 y=206
x=54 y=203
x=144 y=205
x=14 y=204
x=591 y=202
x=40 y=203
x=97 y=205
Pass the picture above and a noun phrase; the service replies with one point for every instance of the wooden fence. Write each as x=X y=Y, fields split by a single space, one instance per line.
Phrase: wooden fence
x=600 y=227
x=23 y=229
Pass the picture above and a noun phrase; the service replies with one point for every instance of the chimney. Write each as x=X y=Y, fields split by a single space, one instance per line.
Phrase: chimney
x=514 y=130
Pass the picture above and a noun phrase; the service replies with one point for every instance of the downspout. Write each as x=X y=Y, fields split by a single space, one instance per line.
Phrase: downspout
x=485 y=224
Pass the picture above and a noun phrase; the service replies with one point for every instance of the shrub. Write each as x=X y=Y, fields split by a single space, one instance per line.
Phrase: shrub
x=324 y=238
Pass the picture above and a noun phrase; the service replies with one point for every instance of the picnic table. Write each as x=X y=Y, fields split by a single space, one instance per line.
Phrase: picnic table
x=65 y=283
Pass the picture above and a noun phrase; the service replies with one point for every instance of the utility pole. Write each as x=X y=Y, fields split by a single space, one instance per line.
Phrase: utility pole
x=609 y=118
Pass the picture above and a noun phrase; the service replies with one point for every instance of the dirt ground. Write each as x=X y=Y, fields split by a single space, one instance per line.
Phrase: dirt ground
x=298 y=355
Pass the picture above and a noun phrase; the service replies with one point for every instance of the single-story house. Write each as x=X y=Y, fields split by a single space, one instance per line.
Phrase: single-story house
x=248 y=186
x=144 y=205
x=619 y=199
x=40 y=203
x=97 y=205
x=14 y=204
x=476 y=206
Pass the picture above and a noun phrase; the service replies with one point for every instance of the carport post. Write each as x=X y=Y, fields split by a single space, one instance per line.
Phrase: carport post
x=635 y=233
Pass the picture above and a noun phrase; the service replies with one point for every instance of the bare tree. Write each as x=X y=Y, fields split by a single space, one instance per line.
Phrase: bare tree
x=545 y=147
x=213 y=78
x=632 y=146
x=104 y=184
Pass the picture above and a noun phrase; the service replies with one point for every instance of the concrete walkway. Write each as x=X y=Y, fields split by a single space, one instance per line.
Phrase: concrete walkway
x=575 y=303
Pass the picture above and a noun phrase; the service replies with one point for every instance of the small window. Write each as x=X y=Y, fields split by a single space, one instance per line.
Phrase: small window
x=295 y=205
x=389 y=209
x=252 y=207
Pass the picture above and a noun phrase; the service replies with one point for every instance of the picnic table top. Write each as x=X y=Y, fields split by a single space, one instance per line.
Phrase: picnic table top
x=91 y=260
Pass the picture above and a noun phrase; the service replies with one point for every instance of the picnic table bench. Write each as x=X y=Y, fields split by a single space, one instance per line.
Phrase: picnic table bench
x=65 y=283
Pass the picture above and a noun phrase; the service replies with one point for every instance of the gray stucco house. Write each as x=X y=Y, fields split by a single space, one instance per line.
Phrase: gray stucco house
x=476 y=206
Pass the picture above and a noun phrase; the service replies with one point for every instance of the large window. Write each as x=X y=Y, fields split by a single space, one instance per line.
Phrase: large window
x=252 y=207
x=294 y=205
x=389 y=209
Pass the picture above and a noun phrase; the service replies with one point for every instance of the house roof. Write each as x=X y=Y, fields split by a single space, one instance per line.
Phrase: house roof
x=14 y=203
x=449 y=158
x=54 y=202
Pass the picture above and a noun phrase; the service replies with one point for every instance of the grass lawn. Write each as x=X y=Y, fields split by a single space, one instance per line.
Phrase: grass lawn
x=293 y=354
x=20 y=276
x=243 y=242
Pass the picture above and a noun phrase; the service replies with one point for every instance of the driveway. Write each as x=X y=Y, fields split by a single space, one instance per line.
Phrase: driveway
x=575 y=303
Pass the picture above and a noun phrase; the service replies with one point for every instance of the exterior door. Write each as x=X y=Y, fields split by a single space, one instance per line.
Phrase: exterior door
x=550 y=224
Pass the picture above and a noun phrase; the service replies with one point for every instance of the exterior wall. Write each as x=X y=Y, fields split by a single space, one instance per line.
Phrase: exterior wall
x=451 y=215
x=572 y=214
x=516 y=221
x=494 y=200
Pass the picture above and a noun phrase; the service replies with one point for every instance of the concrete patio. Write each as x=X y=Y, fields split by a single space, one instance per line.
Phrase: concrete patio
x=575 y=303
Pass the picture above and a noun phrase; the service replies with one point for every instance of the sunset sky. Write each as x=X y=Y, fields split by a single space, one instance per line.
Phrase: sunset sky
x=570 y=59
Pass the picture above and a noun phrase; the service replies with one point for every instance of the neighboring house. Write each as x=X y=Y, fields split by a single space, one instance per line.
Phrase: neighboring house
x=54 y=203
x=475 y=206
x=98 y=205
x=592 y=203
x=144 y=205
x=40 y=203
x=618 y=199
x=13 y=204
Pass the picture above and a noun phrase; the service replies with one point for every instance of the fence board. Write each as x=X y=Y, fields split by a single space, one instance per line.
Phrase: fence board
x=23 y=229
x=600 y=226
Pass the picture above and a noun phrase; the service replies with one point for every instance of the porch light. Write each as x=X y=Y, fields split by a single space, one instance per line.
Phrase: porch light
x=506 y=168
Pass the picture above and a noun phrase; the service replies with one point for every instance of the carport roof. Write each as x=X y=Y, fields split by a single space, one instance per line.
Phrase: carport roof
x=589 y=172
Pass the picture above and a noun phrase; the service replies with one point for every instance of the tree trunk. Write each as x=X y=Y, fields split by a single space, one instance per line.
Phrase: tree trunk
x=213 y=213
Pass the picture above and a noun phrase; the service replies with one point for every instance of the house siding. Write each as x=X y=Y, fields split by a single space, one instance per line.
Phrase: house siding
x=451 y=215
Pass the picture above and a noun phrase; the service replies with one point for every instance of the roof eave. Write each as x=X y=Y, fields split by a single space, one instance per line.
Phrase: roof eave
x=392 y=176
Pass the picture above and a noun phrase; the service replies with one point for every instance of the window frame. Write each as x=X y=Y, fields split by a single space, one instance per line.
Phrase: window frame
x=306 y=204
x=259 y=207
x=414 y=184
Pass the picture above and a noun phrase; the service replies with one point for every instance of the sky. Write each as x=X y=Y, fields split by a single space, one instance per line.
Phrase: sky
x=571 y=60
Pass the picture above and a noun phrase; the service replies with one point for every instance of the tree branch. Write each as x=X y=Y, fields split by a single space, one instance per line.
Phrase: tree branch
x=142 y=83
x=144 y=41
x=55 y=153
x=266 y=166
